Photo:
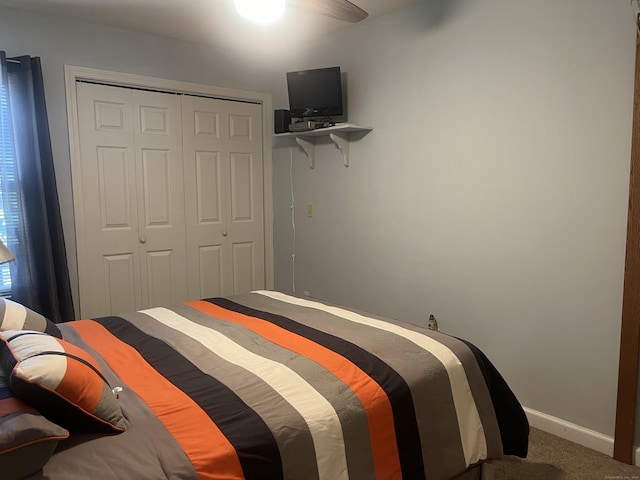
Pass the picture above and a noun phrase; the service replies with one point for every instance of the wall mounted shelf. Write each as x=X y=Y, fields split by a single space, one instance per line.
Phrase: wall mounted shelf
x=340 y=134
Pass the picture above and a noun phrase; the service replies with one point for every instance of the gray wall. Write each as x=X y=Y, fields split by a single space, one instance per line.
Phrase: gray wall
x=492 y=191
x=62 y=42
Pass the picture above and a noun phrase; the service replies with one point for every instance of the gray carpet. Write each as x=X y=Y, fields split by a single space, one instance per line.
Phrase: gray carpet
x=552 y=458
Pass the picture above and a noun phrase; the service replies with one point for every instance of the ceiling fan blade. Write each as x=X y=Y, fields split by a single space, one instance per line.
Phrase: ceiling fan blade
x=340 y=9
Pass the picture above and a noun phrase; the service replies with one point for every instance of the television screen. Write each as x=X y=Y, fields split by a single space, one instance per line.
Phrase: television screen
x=315 y=93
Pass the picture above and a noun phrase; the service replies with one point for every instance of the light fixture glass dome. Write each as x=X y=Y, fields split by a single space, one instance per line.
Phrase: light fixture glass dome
x=261 y=11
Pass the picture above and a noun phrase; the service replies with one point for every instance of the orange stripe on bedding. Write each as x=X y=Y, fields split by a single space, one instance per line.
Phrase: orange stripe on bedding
x=374 y=401
x=211 y=454
x=14 y=405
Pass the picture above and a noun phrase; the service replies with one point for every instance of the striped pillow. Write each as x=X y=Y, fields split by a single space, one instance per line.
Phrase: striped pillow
x=61 y=380
x=27 y=439
x=14 y=316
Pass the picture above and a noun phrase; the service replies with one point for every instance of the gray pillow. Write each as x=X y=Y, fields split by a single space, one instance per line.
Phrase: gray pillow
x=27 y=439
x=14 y=316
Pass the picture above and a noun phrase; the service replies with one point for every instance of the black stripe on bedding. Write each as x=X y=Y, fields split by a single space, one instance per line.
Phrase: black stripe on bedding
x=512 y=420
x=395 y=387
x=240 y=424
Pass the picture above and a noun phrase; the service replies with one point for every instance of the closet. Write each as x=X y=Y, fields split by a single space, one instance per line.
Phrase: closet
x=171 y=205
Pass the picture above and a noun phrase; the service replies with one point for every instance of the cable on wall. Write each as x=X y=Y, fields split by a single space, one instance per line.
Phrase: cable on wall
x=293 y=221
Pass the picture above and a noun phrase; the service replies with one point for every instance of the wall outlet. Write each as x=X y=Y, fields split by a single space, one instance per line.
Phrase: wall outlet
x=310 y=210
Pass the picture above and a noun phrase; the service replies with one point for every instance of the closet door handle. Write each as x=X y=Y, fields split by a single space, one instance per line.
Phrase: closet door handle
x=224 y=233
x=143 y=239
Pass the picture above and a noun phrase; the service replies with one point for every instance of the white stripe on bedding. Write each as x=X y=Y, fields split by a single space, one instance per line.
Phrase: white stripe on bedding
x=474 y=442
x=15 y=315
x=318 y=413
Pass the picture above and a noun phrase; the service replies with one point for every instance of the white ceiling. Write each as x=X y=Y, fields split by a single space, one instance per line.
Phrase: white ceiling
x=213 y=22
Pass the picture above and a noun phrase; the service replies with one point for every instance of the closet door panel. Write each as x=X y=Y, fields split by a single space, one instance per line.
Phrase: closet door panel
x=223 y=164
x=210 y=251
x=160 y=267
x=242 y=201
x=245 y=209
x=208 y=188
x=244 y=266
x=119 y=279
x=113 y=186
x=156 y=176
x=205 y=168
x=210 y=271
x=107 y=217
x=160 y=190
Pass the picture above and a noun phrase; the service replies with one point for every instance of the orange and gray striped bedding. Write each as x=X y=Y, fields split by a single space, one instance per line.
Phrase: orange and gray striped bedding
x=270 y=386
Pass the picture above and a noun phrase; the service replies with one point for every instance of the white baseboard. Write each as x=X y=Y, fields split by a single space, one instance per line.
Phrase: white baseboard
x=574 y=433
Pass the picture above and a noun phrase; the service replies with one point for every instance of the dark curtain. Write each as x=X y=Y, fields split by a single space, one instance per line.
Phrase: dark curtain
x=39 y=275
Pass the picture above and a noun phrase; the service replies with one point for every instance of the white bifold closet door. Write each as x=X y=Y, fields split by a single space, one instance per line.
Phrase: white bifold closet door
x=224 y=202
x=171 y=205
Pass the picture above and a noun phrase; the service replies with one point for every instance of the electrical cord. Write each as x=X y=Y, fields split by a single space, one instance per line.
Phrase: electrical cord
x=293 y=220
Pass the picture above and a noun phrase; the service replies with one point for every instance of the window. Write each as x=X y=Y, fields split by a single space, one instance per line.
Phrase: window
x=8 y=193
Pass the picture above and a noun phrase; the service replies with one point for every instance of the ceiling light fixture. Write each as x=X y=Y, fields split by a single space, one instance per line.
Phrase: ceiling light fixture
x=261 y=11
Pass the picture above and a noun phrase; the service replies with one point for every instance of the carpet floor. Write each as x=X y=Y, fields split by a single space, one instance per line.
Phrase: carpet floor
x=553 y=458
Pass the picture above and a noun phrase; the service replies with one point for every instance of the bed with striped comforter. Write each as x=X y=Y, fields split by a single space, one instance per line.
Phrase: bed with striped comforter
x=271 y=386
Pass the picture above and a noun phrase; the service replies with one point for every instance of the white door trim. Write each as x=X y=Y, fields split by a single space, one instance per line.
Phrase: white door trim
x=73 y=74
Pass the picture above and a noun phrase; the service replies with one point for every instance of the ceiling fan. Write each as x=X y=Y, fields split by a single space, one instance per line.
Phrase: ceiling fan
x=339 y=9
x=266 y=11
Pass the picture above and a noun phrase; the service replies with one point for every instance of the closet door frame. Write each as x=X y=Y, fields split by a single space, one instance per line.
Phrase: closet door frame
x=74 y=74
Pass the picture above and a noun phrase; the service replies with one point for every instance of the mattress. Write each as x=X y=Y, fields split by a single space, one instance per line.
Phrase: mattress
x=268 y=385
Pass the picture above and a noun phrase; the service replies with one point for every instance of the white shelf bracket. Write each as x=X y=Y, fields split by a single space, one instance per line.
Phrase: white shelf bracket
x=339 y=134
x=342 y=142
x=308 y=144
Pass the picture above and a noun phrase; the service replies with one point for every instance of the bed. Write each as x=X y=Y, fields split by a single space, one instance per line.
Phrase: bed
x=265 y=385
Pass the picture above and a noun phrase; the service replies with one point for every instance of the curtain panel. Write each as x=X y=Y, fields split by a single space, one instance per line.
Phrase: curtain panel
x=40 y=274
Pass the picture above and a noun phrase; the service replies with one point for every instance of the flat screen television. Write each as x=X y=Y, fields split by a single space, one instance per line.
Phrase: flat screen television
x=315 y=93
